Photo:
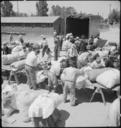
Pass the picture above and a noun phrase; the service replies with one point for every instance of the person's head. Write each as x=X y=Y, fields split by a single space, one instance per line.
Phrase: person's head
x=98 y=60
x=64 y=63
x=82 y=36
x=36 y=49
x=71 y=38
x=55 y=33
x=98 y=35
x=77 y=38
x=91 y=36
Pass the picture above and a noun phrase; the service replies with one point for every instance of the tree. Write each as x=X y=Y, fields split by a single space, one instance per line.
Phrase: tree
x=42 y=8
x=62 y=11
x=114 y=16
x=7 y=8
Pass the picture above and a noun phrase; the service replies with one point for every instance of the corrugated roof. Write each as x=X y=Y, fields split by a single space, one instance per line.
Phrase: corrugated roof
x=43 y=19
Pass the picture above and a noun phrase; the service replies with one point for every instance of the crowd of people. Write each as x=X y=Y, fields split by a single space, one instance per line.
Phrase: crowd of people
x=67 y=68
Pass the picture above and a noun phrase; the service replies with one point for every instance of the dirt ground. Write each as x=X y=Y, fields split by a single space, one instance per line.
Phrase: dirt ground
x=85 y=113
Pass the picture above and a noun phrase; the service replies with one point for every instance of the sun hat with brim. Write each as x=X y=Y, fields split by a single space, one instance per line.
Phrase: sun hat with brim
x=35 y=47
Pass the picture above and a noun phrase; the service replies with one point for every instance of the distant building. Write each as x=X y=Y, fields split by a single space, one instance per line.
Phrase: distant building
x=43 y=25
x=86 y=25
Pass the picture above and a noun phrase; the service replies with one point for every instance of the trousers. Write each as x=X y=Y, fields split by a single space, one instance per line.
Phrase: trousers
x=56 y=53
x=52 y=80
x=69 y=87
x=31 y=76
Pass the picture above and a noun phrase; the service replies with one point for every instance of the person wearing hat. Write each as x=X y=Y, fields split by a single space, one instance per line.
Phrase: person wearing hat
x=77 y=43
x=31 y=66
x=72 y=53
x=44 y=45
x=83 y=44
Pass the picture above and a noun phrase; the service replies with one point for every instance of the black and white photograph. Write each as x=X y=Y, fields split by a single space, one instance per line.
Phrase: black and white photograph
x=60 y=63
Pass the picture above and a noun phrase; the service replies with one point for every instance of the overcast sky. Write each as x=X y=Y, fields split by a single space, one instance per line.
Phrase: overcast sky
x=94 y=7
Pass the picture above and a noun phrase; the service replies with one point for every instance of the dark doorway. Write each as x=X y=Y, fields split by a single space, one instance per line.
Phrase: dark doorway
x=77 y=26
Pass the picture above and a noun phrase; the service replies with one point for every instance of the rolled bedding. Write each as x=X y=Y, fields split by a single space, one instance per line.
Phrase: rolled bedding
x=18 y=65
x=94 y=73
x=10 y=58
x=109 y=78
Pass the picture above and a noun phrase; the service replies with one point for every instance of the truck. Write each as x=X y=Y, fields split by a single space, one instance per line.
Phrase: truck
x=80 y=25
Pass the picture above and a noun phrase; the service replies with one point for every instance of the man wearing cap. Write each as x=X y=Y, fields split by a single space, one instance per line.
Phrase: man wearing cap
x=31 y=66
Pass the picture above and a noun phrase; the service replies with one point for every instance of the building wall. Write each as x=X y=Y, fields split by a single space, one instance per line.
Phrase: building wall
x=59 y=26
x=46 y=29
x=93 y=26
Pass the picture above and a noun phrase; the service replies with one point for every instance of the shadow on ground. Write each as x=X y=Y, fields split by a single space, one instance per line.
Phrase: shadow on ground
x=64 y=116
x=84 y=95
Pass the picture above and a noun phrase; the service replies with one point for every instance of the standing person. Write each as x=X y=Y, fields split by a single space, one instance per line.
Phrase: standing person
x=69 y=76
x=31 y=66
x=44 y=45
x=77 y=43
x=20 y=39
x=11 y=38
x=54 y=74
x=56 y=47
x=83 y=44
x=96 y=40
x=72 y=53
x=91 y=40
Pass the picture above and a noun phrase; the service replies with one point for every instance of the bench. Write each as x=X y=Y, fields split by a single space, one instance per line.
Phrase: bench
x=13 y=72
x=98 y=89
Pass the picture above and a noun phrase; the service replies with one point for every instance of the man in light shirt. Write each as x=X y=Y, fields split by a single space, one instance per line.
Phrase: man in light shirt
x=69 y=76
x=31 y=66
x=54 y=74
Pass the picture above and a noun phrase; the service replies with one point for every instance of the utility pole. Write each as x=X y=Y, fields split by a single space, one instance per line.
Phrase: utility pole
x=17 y=8
x=109 y=8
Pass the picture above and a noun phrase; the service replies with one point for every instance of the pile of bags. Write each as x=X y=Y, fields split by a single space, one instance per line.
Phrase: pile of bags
x=18 y=65
x=10 y=58
x=41 y=76
x=40 y=108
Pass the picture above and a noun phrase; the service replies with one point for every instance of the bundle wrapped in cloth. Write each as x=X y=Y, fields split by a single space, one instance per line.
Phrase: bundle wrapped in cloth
x=10 y=58
x=18 y=65
x=109 y=78
x=41 y=76
x=94 y=73
x=44 y=105
x=83 y=82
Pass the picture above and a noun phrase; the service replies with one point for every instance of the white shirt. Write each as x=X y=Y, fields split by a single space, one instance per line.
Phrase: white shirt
x=70 y=74
x=67 y=45
x=31 y=59
x=55 y=68
x=72 y=52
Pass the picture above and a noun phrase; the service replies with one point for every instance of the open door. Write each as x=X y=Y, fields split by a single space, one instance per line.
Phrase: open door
x=77 y=26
